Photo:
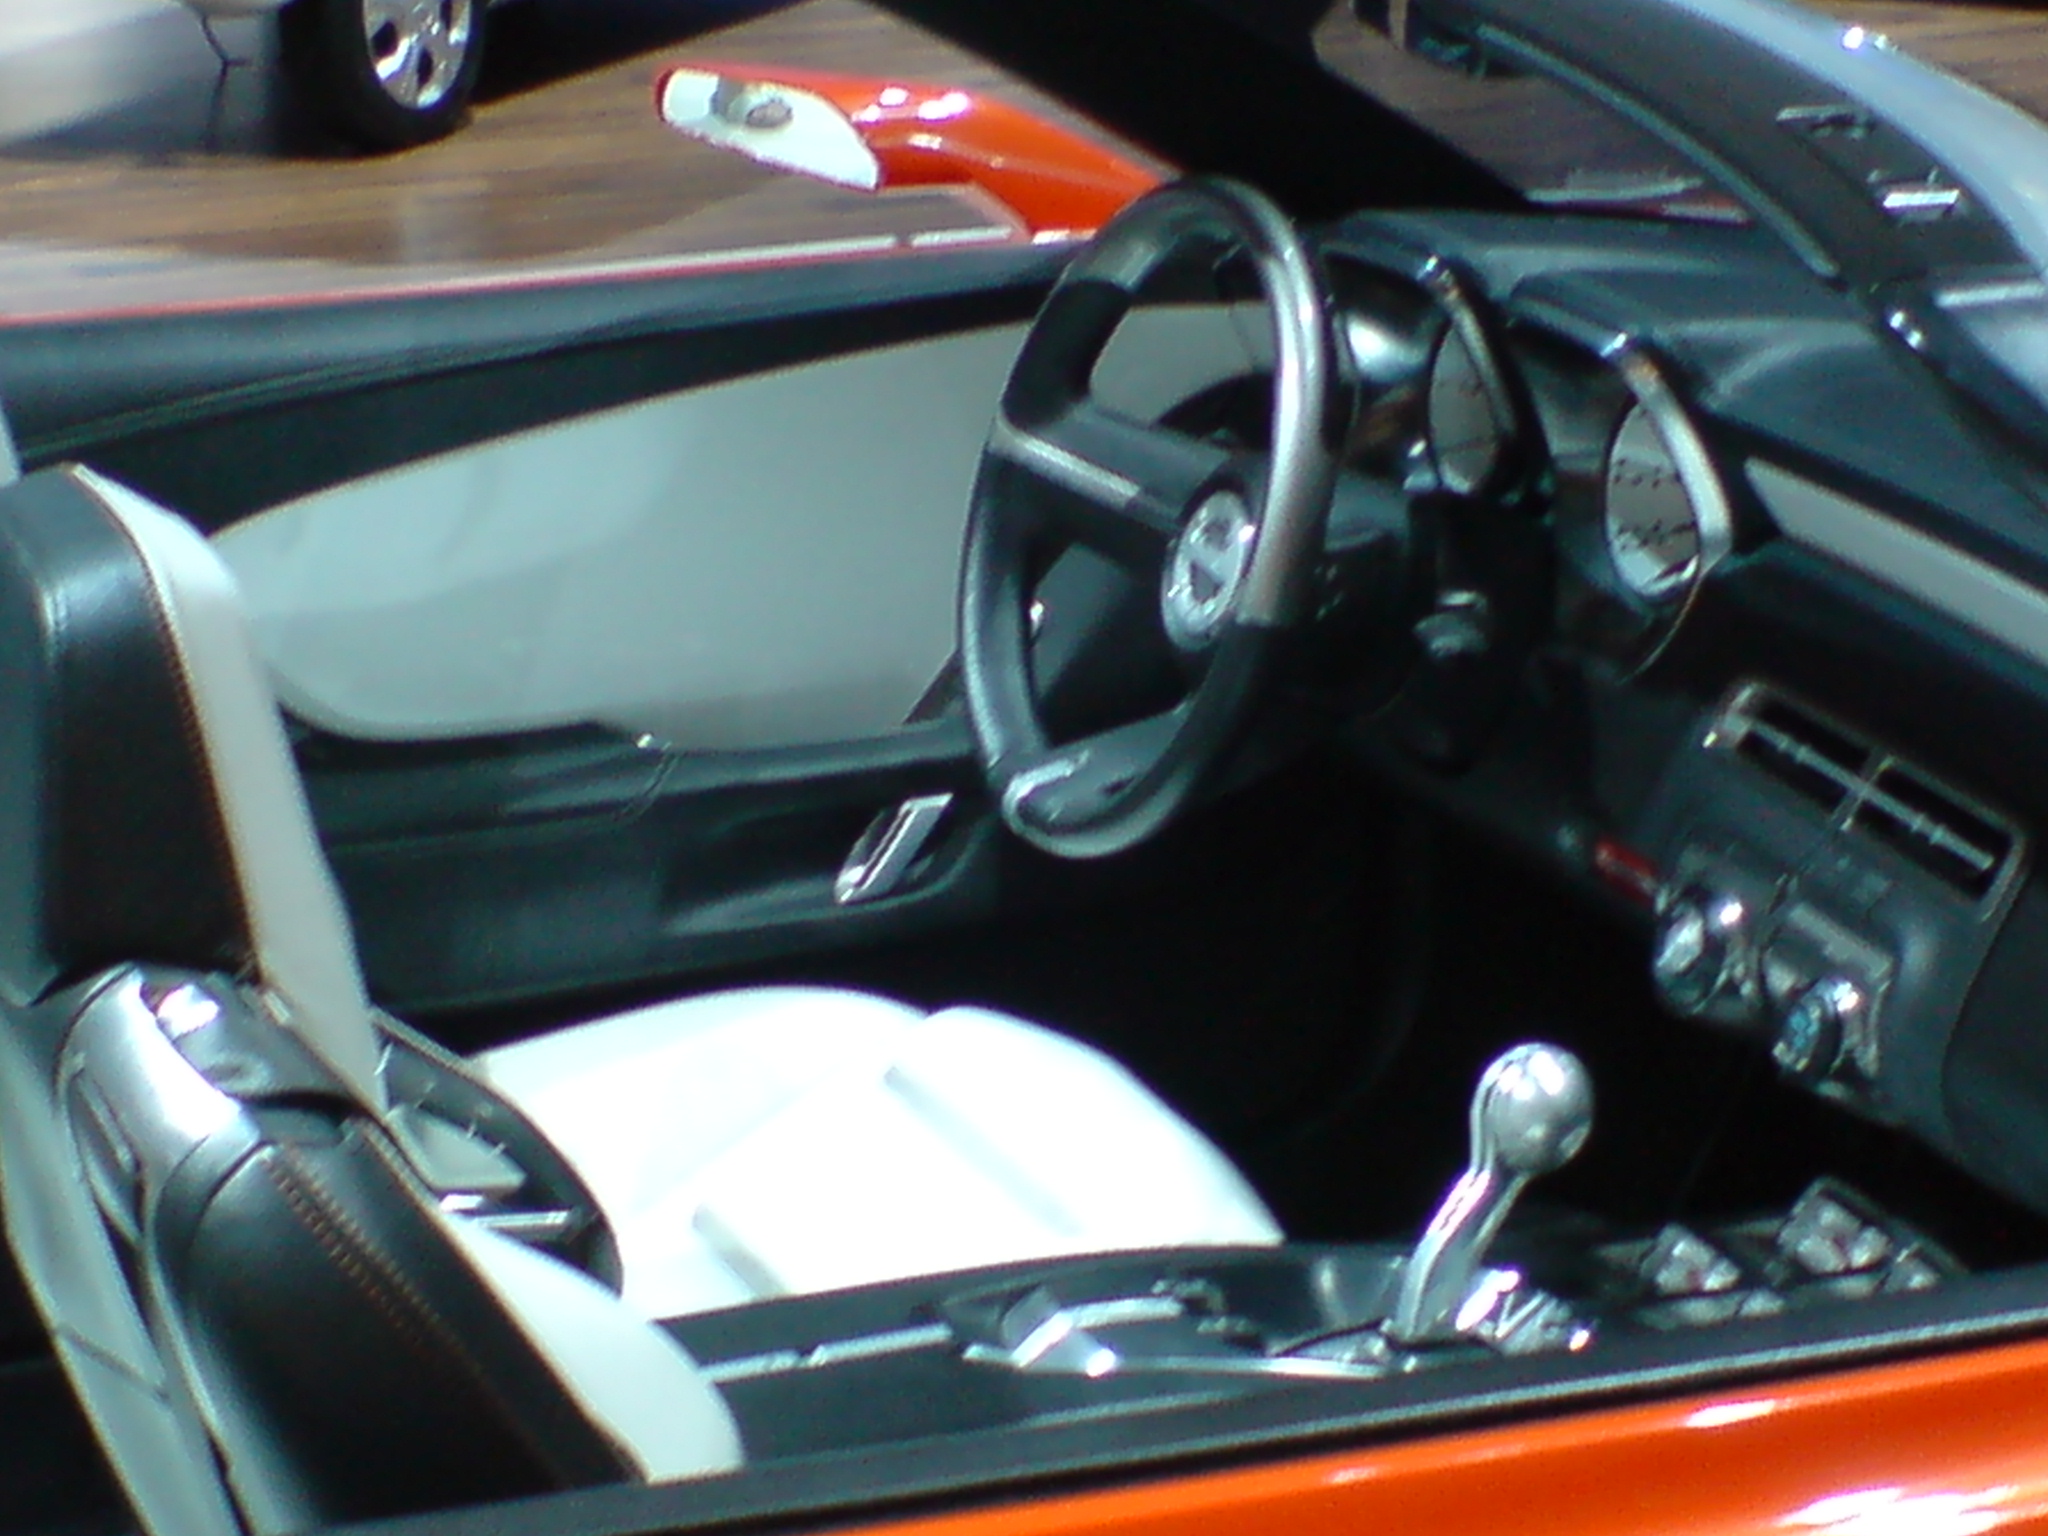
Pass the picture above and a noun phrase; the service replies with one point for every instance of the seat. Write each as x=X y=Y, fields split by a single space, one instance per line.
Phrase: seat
x=358 y=1351
x=742 y=1144
x=266 y=1311
x=778 y=1141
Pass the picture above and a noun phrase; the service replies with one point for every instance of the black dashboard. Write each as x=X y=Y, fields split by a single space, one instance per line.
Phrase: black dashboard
x=1733 y=609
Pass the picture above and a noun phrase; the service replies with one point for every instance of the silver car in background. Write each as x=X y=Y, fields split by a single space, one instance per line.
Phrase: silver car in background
x=385 y=74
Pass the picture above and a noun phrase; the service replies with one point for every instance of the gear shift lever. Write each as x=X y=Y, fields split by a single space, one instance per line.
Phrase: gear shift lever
x=1530 y=1116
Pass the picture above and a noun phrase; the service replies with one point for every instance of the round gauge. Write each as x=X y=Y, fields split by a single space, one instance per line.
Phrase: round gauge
x=1650 y=519
x=1469 y=422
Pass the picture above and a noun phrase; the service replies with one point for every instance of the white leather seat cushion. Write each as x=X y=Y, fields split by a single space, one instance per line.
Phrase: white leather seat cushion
x=635 y=1382
x=789 y=1140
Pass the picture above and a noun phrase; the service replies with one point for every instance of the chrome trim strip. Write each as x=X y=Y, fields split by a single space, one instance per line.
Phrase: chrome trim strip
x=1990 y=295
x=1998 y=152
x=1107 y=1362
x=1909 y=201
x=881 y=856
x=1067 y=470
x=529 y=1226
x=983 y=234
x=1965 y=588
x=1460 y=313
x=867 y=1346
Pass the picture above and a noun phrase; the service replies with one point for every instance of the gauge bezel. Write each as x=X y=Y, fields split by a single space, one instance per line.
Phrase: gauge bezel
x=1706 y=497
x=1462 y=324
x=1637 y=444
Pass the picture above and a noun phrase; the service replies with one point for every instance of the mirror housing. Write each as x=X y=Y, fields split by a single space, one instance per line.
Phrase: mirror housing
x=874 y=135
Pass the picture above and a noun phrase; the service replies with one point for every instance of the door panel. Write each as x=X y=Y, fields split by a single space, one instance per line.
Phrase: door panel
x=761 y=563
x=226 y=413
x=663 y=865
x=602 y=610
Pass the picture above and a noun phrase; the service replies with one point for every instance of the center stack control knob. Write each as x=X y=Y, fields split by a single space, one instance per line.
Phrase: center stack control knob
x=1815 y=1027
x=1703 y=963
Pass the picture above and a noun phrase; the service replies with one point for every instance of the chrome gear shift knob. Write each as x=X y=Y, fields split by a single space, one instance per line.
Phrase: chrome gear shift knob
x=1532 y=1112
x=1530 y=1115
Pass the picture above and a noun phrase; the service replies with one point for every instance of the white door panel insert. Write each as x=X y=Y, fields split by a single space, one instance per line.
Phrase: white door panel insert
x=766 y=562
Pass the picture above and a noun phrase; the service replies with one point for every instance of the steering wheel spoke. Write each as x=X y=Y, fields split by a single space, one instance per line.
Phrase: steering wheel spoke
x=1073 y=785
x=1124 y=488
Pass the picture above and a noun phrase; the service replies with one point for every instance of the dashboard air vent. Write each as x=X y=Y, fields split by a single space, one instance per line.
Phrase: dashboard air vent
x=1934 y=828
x=1823 y=764
x=1860 y=787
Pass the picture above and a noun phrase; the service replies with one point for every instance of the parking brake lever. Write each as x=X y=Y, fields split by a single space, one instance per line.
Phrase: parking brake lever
x=1530 y=1116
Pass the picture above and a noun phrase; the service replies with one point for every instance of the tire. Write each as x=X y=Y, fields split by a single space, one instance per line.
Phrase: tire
x=384 y=74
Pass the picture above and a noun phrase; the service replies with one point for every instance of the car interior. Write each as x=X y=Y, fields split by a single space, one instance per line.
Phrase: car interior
x=861 y=885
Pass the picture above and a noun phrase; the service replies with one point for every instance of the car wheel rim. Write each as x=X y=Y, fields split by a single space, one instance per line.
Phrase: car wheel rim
x=417 y=48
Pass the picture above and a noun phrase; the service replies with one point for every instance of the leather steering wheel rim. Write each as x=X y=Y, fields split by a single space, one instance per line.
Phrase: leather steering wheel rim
x=1231 y=538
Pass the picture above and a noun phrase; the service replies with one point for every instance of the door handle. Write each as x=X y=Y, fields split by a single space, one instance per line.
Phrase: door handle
x=882 y=855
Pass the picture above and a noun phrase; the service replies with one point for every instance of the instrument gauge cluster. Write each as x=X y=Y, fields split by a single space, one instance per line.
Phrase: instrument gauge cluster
x=1469 y=419
x=1658 y=507
x=1530 y=410
x=1438 y=410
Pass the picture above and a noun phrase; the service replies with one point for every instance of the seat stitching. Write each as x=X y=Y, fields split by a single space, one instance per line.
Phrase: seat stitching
x=384 y=1285
x=195 y=735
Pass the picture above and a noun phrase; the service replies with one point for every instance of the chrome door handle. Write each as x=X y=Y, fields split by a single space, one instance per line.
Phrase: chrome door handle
x=882 y=855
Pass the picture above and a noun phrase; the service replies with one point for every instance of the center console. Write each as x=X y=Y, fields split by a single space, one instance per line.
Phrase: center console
x=1489 y=1277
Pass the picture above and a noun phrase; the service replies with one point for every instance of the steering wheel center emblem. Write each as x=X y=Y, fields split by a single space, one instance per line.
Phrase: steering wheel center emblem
x=1206 y=569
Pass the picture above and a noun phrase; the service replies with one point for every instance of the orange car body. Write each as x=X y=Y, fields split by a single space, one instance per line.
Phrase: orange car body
x=1049 y=180
x=1949 y=1445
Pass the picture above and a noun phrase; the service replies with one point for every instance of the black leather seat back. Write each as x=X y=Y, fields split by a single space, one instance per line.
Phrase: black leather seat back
x=356 y=1365
x=111 y=843
x=352 y=1360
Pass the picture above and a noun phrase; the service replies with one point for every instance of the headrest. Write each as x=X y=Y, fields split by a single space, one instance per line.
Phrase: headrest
x=151 y=809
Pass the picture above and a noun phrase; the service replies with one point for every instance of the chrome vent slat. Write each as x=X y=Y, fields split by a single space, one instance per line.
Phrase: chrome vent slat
x=1863 y=789
x=1784 y=745
x=1932 y=831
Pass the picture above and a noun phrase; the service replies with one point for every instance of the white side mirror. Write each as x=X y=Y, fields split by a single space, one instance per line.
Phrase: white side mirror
x=785 y=126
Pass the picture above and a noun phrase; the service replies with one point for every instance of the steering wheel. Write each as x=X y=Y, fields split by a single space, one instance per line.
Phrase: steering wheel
x=1229 y=538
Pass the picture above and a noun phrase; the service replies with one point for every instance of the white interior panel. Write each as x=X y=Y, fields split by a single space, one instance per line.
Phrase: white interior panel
x=759 y=563
x=1162 y=353
x=631 y=1377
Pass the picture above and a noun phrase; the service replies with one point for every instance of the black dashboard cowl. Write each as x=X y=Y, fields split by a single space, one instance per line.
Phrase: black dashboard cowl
x=1996 y=1077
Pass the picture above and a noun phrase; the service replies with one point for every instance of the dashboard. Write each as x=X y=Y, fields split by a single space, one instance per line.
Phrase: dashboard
x=1731 y=608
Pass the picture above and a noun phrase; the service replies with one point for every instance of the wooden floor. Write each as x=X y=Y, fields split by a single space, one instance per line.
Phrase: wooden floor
x=206 y=188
